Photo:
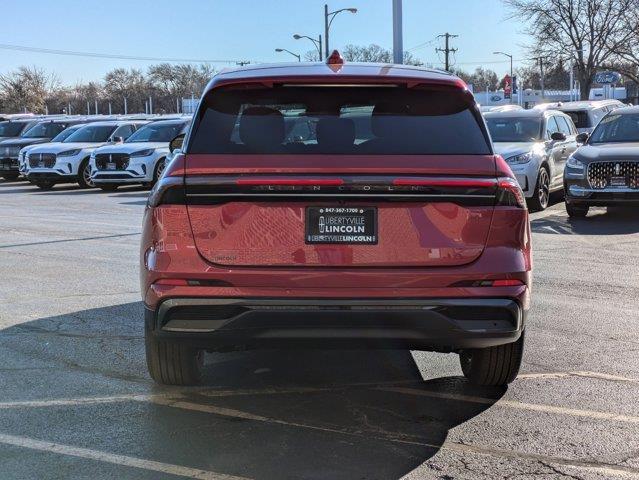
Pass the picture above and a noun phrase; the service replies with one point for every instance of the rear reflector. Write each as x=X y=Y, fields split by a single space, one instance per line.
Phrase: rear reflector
x=506 y=283
x=173 y=282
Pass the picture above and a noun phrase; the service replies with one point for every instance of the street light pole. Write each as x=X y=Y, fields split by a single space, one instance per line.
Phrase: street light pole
x=511 y=72
x=398 y=47
x=316 y=42
x=328 y=19
x=299 y=58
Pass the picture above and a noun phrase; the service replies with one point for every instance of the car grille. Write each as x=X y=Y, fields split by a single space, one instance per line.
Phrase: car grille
x=47 y=160
x=600 y=173
x=121 y=161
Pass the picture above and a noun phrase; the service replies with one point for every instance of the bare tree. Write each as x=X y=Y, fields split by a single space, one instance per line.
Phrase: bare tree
x=375 y=54
x=625 y=55
x=26 y=88
x=582 y=32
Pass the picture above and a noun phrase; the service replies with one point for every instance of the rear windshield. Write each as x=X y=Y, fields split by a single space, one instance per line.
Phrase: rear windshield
x=337 y=120
x=10 y=129
x=580 y=118
x=91 y=134
x=514 y=129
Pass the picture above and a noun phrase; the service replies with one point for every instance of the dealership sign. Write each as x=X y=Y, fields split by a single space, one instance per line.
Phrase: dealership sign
x=508 y=86
x=607 y=77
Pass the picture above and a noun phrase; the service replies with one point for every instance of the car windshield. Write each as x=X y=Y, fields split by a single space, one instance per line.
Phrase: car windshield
x=64 y=134
x=617 y=129
x=580 y=118
x=514 y=129
x=354 y=119
x=91 y=134
x=155 y=132
x=10 y=129
x=44 y=130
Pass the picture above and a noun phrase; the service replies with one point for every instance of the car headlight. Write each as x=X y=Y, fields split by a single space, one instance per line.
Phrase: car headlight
x=70 y=153
x=142 y=153
x=575 y=164
x=520 y=159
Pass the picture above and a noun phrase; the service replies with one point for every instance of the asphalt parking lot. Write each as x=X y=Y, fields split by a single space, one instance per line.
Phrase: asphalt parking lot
x=76 y=400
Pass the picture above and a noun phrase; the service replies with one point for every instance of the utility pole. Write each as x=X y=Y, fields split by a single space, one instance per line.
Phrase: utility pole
x=447 y=50
x=398 y=47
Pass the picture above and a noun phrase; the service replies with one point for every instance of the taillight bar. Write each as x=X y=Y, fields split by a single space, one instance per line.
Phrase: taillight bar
x=462 y=183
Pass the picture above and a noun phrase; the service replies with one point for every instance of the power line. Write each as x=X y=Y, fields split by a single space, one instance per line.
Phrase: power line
x=24 y=48
x=422 y=45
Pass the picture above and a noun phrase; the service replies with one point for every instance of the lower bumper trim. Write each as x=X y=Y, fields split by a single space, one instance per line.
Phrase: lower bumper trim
x=437 y=324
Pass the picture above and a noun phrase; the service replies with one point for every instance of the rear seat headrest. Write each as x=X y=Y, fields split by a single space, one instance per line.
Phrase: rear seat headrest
x=262 y=128
x=335 y=133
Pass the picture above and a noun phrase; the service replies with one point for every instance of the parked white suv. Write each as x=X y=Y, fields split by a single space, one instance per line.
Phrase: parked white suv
x=23 y=165
x=536 y=144
x=140 y=159
x=68 y=161
x=585 y=114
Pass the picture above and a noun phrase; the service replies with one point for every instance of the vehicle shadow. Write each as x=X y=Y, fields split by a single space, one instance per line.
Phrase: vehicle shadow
x=260 y=414
x=611 y=221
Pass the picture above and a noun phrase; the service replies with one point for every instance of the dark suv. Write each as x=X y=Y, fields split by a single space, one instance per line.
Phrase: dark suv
x=336 y=205
x=37 y=132
x=605 y=170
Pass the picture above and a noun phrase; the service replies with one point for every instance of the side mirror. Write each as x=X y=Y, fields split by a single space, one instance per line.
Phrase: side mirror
x=176 y=142
x=117 y=139
x=558 y=136
x=582 y=137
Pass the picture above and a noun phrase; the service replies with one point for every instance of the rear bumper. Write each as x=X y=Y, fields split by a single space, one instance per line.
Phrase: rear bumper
x=440 y=324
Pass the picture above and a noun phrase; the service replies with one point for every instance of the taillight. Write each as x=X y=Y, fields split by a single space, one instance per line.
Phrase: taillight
x=509 y=193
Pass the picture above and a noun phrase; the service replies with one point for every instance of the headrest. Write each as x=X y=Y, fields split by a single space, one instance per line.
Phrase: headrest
x=262 y=128
x=335 y=133
x=384 y=121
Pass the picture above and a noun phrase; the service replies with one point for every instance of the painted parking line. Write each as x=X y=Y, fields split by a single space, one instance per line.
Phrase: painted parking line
x=536 y=407
x=122 y=460
x=61 y=402
x=593 y=375
x=601 y=468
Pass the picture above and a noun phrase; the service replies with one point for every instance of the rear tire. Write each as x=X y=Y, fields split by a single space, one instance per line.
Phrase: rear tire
x=493 y=366
x=108 y=187
x=10 y=177
x=171 y=363
x=541 y=197
x=576 y=211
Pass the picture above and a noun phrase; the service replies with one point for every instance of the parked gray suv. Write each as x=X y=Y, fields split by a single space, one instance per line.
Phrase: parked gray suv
x=605 y=170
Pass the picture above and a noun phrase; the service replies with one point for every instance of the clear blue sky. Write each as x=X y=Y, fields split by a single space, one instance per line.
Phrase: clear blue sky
x=242 y=29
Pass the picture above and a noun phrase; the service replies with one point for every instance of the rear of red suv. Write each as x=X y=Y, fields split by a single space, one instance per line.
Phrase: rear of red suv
x=322 y=206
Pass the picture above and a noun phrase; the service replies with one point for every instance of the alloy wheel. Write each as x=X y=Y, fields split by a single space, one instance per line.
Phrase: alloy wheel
x=86 y=175
x=544 y=188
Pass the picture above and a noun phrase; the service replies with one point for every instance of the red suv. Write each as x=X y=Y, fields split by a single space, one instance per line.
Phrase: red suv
x=336 y=205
